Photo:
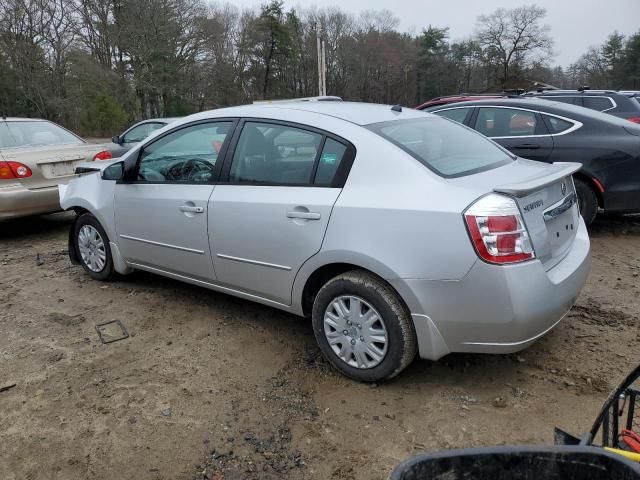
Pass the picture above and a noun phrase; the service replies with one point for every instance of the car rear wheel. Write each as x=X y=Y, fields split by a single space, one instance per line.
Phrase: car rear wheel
x=92 y=247
x=363 y=327
x=587 y=201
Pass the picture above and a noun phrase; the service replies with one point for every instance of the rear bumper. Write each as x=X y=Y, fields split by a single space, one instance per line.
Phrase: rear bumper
x=18 y=201
x=495 y=309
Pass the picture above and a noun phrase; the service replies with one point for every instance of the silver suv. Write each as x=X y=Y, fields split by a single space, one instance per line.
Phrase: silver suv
x=399 y=233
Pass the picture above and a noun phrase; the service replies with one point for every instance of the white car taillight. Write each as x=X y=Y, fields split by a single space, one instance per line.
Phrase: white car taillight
x=497 y=230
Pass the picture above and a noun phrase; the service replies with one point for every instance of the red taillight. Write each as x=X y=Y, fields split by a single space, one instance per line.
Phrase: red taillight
x=12 y=170
x=103 y=155
x=634 y=119
x=497 y=230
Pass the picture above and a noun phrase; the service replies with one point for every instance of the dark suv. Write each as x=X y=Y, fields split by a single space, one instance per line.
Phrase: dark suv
x=622 y=104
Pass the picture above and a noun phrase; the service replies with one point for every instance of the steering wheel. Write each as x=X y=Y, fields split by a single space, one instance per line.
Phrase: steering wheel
x=195 y=166
x=189 y=170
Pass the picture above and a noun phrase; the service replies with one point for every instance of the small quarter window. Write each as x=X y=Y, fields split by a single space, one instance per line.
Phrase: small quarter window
x=558 y=125
x=598 y=103
x=330 y=159
x=274 y=154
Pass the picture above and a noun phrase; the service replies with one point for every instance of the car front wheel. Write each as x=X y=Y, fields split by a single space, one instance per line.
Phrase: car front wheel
x=363 y=327
x=92 y=247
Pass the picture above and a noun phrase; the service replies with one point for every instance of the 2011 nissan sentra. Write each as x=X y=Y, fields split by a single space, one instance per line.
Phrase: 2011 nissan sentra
x=399 y=233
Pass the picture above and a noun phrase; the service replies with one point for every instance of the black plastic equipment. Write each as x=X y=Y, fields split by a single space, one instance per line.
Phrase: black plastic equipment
x=519 y=463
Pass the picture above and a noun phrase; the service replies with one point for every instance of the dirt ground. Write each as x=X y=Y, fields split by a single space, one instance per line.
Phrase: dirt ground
x=209 y=386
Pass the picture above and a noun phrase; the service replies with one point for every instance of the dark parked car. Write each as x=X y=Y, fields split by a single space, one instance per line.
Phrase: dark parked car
x=120 y=144
x=607 y=147
x=622 y=104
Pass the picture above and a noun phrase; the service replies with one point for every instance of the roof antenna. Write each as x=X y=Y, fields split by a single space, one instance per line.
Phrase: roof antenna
x=396 y=108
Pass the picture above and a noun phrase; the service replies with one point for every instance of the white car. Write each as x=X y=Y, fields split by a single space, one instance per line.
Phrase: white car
x=398 y=232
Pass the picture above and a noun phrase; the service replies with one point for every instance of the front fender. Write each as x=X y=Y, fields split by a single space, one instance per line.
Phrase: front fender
x=93 y=194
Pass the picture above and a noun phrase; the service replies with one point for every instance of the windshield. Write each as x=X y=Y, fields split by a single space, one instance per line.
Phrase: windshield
x=444 y=146
x=34 y=134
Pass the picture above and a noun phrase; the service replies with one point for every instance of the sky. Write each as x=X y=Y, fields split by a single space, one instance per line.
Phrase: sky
x=575 y=24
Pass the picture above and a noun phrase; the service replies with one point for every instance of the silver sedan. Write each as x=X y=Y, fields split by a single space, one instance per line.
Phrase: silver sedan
x=398 y=233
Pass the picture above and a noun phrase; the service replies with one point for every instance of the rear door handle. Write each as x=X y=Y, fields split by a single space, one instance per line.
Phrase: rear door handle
x=529 y=146
x=305 y=215
x=191 y=209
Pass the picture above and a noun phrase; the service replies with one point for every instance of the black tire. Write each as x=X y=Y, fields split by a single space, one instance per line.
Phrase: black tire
x=587 y=200
x=402 y=342
x=107 y=271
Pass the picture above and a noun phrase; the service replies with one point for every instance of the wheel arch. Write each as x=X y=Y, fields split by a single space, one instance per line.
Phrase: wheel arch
x=119 y=263
x=319 y=273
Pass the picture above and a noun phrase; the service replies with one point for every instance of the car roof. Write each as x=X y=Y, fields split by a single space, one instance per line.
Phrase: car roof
x=523 y=102
x=22 y=119
x=159 y=119
x=353 y=112
x=574 y=92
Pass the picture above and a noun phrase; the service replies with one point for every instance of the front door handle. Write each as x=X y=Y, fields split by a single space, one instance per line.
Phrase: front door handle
x=304 y=215
x=528 y=146
x=191 y=209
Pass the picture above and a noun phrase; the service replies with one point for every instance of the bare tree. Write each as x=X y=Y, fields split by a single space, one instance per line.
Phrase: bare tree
x=514 y=38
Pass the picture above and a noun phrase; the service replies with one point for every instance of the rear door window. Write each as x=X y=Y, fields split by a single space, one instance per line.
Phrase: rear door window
x=449 y=149
x=505 y=122
x=274 y=154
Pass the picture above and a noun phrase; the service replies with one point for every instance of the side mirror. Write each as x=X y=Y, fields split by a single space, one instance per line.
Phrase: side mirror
x=116 y=139
x=114 y=172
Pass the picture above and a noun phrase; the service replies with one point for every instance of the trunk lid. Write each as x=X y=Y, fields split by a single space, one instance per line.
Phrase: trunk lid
x=51 y=165
x=547 y=200
x=549 y=207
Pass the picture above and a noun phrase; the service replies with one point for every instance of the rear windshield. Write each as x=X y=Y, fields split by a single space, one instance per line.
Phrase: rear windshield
x=444 y=146
x=34 y=134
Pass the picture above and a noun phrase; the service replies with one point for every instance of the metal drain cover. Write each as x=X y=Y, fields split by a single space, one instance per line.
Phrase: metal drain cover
x=112 y=331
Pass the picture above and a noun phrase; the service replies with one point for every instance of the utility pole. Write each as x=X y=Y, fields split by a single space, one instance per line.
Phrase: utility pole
x=322 y=64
